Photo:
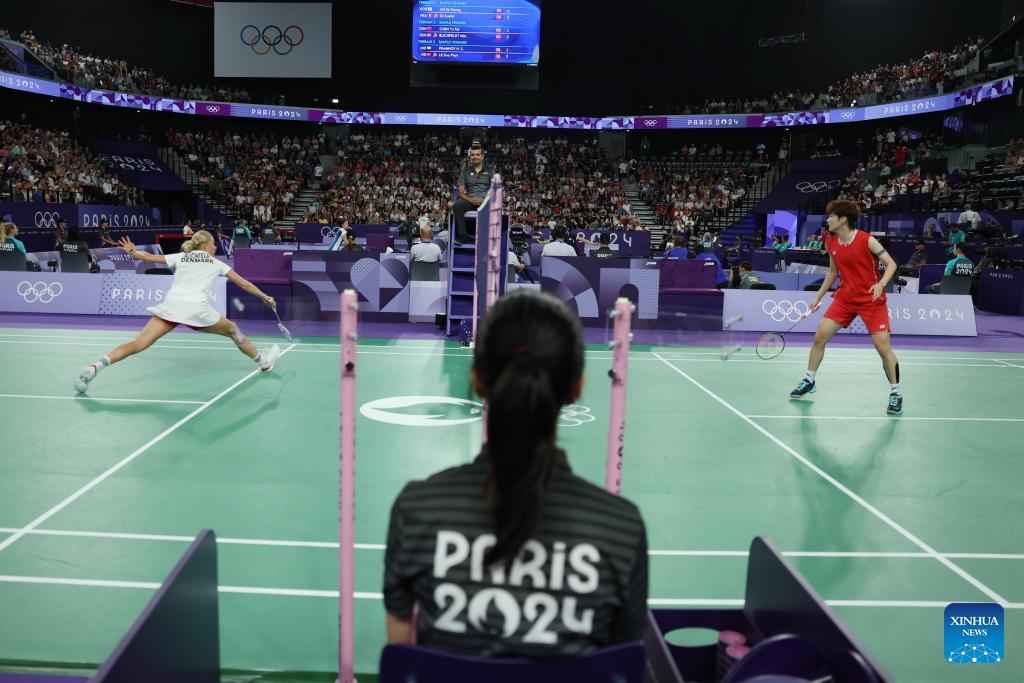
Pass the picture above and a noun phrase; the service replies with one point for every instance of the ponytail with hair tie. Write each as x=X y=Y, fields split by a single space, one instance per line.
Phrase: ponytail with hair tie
x=529 y=359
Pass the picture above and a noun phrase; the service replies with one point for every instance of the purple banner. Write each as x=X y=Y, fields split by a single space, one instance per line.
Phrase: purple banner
x=999 y=88
x=27 y=84
x=777 y=311
x=45 y=215
x=116 y=293
x=138 y=164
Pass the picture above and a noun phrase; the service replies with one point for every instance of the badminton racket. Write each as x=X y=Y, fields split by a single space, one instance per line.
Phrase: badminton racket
x=280 y=326
x=771 y=344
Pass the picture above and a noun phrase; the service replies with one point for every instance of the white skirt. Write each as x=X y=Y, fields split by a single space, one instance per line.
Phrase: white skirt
x=186 y=313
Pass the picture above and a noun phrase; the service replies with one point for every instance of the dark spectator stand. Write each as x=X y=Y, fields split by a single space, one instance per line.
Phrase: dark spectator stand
x=794 y=637
x=170 y=243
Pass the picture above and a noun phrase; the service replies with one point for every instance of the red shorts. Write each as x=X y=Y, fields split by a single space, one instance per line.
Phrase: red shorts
x=875 y=314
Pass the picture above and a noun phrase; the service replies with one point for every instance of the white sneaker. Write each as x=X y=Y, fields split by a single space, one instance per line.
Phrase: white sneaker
x=268 y=357
x=81 y=382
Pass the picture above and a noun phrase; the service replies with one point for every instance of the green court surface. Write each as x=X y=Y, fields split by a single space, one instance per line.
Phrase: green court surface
x=889 y=518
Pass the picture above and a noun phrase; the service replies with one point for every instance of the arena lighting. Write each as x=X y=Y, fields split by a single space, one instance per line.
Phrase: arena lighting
x=334 y=100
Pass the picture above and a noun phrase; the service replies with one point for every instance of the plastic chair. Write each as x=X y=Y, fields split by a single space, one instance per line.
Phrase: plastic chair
x=424 y=271
x=955 y=284
x=74 y=262
x=405 y=663
x=12 y=260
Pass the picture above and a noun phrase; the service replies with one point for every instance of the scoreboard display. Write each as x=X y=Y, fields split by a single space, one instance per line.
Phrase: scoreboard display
x=476 y=31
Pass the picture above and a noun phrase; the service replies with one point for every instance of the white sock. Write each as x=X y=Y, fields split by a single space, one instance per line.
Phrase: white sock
x=810 y=376
x=105 y=360
x=895 y=389
x=258 y=357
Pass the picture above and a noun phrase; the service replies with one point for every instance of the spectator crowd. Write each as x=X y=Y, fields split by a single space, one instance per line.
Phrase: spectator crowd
x=42 y=165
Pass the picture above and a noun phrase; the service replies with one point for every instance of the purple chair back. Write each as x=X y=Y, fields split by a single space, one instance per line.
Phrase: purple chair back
x=687 y=274
x=617 y=664
x=379 y=242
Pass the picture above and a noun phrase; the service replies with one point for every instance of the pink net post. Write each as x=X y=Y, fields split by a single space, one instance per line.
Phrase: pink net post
x=621 y=322
x=347 y=490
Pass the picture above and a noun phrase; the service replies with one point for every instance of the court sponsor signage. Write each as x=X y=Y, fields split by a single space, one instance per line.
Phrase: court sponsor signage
x=115 y=293
x=778 y=311
x=448 y=411
x=137 y=164
x=45 y=215
x=973 y=633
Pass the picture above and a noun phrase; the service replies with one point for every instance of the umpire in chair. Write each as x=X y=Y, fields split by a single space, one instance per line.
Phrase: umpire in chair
x=474 y=181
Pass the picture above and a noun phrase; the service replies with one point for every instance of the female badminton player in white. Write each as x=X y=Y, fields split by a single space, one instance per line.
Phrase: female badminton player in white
x=187 y=303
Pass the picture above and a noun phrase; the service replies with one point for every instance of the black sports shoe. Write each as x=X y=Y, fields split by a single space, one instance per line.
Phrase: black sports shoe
x=805 y=387
x=895 y=404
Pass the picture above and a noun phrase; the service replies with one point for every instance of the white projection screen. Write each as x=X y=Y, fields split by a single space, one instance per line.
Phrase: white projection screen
x=272 y=39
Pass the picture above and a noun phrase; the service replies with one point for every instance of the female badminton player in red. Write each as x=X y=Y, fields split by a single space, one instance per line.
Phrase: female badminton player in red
x=187 y=303
x=854 y=256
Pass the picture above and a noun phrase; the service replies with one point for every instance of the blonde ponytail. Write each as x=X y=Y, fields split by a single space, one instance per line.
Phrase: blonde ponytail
x=198 y=239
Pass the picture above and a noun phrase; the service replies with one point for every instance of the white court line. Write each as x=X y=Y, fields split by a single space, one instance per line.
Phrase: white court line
x=734 y=359
x=590 y=354
x=885 y=417
x=6 y=543
x=98 y=398
x=188 y=539
x=333 y=545
x=1007 y=363
x=333 y=594
x=844 y=489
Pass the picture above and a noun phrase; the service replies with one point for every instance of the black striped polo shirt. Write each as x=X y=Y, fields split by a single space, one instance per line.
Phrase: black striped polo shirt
x=580 y=582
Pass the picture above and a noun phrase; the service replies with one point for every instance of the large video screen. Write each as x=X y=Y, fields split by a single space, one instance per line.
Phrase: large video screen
x=476 y=31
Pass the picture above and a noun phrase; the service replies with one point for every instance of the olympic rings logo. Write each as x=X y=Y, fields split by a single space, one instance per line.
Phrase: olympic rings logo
x=41 y=292
x=329 y=232
x=819 y=186
x=574 y=416
x=785 y=310
x=212 y=108
x=47 y=219
x=272 y=36
x=847 y=115
x=650 y=123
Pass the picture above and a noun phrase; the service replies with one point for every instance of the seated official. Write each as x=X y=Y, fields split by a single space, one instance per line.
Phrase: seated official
x=558 y=246
x=721 y=278
x=106 y=239
x=958 y=266
x=348 y=240
x=744 y=276
x=426 y=251
x=9 y=241
x=917 y=259
x=474 y=182
x=74 y=244
x=513 y=555
x=813 y=243
x=604 y=249
x=678 y=249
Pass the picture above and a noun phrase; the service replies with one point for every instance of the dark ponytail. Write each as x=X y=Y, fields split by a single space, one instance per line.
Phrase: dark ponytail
x=529 y=358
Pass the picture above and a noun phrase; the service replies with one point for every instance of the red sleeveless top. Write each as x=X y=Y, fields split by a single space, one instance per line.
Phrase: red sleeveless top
x=858 y=268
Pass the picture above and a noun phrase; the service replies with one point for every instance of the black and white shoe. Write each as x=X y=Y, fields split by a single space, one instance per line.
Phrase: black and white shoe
x=895 y=404
x=803 y=389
